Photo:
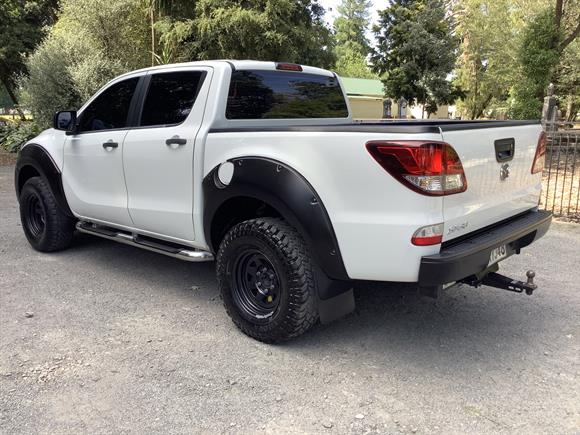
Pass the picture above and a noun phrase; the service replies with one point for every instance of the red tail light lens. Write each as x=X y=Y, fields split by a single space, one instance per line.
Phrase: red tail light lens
x=540 y=157
x=430 y=168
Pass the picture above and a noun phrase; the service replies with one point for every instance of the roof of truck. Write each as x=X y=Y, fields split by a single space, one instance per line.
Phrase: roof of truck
x=235 y=64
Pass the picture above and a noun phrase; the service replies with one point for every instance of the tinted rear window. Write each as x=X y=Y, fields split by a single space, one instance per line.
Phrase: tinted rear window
x=284 y=95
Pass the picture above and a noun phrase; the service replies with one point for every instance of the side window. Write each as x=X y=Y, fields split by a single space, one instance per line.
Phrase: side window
x=111 y=108
x=170 y=97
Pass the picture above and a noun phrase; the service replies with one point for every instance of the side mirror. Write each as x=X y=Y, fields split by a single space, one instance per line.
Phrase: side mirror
x=65 y=120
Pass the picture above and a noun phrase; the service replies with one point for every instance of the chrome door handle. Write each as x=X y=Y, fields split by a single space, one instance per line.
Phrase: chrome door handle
x=175 y=140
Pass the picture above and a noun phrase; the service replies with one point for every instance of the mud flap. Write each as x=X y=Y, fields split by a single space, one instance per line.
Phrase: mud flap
x=335 y=297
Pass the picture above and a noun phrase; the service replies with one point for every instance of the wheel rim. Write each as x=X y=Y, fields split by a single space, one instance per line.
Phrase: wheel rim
x=256 y=285
x=35 y=216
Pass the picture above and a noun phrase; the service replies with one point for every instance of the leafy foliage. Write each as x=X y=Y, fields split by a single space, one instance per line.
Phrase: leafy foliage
x=15 y=134
x=22 y=26
x=538 y=56
x=279 y=30
x=568 y=81
x=485 y=66
x=416 y=52
x=79 y=56
x=352 y=46
x=5 y=100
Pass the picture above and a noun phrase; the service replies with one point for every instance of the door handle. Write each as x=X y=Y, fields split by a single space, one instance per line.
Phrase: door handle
x=110 y=144
x=175 y=140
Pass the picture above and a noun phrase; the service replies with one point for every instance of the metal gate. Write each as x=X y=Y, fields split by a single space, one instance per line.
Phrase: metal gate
x=561 y=176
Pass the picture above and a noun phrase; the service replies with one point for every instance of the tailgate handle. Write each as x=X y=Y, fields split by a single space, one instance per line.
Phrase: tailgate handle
x=504 y=149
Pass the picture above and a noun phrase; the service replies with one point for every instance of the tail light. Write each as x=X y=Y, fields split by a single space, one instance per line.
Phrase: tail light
x=429 y=235
x=429 y=168
x=540 y=157
x=288 y=66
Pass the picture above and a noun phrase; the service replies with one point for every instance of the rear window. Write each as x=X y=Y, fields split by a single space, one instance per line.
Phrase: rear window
x=284 y=95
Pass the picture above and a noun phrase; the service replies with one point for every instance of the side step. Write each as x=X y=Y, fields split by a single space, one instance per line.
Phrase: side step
x=150 y=244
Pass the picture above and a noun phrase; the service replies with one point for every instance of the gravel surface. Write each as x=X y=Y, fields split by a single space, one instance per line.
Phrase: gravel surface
x=106 y=338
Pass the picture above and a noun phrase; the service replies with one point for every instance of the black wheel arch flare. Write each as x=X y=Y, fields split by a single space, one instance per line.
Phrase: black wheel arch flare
x=33 y=158
x=289 y=193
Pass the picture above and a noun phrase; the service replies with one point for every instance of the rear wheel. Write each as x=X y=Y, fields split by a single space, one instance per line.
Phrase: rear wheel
x=45 y=225
x=266 y=280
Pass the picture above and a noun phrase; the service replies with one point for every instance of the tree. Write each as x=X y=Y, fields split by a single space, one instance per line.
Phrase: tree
x=5 y=100
x=170 y=23
x=352 y=45
x=416 y=52
x=22 y=27
x=92 y=42
x=538 y=56
x=485 y=65
x=566 y=22
x=567 y=82
x=541 y=57
x=279 y=30
x=350 y=26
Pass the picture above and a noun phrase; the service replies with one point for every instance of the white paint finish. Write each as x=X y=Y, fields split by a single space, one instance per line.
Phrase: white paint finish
x=53 y=142
x=159 y=177
x=489 y=199
x=373 y=215
x=92 y=176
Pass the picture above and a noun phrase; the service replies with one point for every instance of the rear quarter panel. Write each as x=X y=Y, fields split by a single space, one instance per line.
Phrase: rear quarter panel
x=373 y=215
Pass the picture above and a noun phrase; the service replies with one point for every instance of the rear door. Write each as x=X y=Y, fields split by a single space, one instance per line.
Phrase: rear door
x=158 y=154
x=498 y=168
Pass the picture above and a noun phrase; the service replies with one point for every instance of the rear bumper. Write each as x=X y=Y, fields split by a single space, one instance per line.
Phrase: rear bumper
x=471 y=256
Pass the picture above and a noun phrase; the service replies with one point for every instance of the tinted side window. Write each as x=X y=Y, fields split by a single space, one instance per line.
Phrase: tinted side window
x=283 y=94
x=111 y=108
x=170 y=97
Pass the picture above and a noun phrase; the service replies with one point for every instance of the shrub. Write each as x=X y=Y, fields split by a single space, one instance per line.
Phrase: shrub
x=15 y=134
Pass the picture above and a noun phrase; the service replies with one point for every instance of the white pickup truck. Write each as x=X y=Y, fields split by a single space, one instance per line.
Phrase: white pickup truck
x=260 y=166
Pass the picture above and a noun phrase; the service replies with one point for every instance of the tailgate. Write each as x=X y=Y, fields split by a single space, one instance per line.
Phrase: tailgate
x=497 y=162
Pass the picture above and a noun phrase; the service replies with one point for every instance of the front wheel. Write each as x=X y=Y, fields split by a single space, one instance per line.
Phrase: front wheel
x=265 y=277
x=45 y=225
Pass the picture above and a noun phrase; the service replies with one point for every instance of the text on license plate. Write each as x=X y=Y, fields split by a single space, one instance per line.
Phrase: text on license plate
x=497 y=254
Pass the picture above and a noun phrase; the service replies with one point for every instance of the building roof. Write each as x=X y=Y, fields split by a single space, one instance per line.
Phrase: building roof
x=366 y=87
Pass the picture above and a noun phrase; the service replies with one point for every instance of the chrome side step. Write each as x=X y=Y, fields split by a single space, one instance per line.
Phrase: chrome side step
x=148 y=243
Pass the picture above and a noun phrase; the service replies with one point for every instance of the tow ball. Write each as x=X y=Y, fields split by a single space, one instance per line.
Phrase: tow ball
x=497 y=280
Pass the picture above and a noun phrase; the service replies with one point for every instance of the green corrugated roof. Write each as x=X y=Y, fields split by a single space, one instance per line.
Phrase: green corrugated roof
x=367 y=87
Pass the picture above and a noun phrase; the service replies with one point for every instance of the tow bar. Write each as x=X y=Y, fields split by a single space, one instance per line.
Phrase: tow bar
x=496 y=280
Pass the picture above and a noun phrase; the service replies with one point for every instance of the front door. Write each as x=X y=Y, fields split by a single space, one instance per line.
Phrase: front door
x=159 y=153
x=93 y=178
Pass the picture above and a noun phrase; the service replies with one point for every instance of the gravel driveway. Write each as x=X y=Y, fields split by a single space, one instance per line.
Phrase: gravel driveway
x=106 y=338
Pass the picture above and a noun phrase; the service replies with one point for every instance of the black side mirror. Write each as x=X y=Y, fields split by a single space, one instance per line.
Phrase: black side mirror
x=65 y=120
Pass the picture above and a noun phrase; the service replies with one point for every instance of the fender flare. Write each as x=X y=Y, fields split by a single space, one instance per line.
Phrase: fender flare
x=289 y=193
x=35 y=156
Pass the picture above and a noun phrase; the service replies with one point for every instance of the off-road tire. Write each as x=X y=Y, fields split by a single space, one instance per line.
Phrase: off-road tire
x=287 y=252
x=51 y=229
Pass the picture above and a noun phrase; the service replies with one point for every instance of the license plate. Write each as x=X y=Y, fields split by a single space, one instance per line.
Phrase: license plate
x=497 y=254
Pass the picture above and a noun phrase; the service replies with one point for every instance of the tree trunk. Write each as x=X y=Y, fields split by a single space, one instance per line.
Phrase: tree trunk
x=12 y=96
x=152 y=33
